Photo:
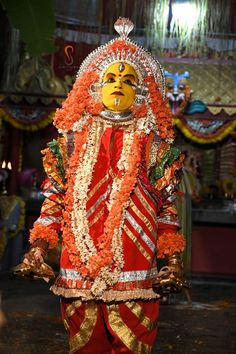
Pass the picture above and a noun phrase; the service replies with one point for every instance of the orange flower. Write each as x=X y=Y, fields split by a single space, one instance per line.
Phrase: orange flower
x=44 y=233
x=160 y=110
x=77 y=102
x=169 y=243
x=80 y=140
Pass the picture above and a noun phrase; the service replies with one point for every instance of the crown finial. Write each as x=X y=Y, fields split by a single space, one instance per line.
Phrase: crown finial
x=123 y=26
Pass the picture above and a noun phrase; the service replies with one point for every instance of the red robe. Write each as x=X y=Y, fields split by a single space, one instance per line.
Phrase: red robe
x=149 y=214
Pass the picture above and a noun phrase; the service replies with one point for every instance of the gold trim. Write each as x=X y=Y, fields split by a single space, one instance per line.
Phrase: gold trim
x=66 y=325
x=137 y=310
x=81 y=338
x=107 y=296
x=40 y=124
x=97 y=216
x=135 y=241
x=143 y=218
x=98 y=185
x=147 y=206
x=49 y=207
x=124 y=333
x=205 y=139
x=70 y=310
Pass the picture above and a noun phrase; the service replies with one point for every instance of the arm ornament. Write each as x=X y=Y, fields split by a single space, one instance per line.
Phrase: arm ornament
x=170 y=242
x=169 y=157
x=54 y=161
x=44 y=233
x=171 y=278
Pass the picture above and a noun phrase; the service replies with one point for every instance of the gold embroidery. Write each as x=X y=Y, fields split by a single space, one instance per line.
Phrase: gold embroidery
x=139 y=313
x=98 y=185
x=135 y=241
x=70 y=310
x=97 y=216
x=124 y=333
x=81 y=338
x=143 y=218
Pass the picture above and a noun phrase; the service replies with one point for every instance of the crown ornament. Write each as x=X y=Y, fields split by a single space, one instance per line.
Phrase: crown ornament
x=123 y=49
x=123 y=26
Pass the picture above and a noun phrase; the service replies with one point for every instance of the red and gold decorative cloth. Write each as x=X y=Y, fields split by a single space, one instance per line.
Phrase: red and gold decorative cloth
x=128 y=327
x=111 y=218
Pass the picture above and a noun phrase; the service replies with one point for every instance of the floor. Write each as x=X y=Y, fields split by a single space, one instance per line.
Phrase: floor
x=207 y=325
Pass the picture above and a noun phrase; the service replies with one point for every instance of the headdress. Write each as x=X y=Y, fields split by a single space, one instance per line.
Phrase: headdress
x=127 y=51
x=150 y=103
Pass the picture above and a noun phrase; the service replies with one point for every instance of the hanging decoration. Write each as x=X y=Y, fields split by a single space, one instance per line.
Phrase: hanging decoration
x=199 y=122
x=30 y=118
x=205 y=131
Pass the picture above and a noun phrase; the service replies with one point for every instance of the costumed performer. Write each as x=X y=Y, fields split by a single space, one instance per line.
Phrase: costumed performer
x=112 y=178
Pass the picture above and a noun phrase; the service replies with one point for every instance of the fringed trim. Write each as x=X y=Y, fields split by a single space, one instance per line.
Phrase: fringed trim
x=62 y=282
x=27 y=124
x=169 y=243
x=108 y=295
x=46 y=233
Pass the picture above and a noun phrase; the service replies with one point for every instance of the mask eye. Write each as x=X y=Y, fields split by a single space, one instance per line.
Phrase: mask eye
x=109 y=80
x=129 y=82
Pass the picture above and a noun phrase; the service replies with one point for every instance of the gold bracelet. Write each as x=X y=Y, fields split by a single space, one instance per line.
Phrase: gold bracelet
x=37 y=248
x=175 y=259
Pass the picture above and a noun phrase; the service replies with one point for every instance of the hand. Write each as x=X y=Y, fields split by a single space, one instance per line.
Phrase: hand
x=34 y=258
x=33 y=265
x=171 y=278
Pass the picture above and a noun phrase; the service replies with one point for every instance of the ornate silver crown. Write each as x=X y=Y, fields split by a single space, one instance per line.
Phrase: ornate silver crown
x=127 y=51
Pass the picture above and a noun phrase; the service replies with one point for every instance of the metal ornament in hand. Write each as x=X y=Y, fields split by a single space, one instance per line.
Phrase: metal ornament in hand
x=168 y=282
x=33 y=266
x=171 y=278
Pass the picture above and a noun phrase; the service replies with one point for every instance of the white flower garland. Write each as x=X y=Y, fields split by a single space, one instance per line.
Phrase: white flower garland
x=84 y=173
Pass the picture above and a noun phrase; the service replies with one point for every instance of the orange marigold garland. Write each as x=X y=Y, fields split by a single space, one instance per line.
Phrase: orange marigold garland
x=78 y=102
x=105 y=255
x=169 y=243
x=46 y=233
x=160 y=110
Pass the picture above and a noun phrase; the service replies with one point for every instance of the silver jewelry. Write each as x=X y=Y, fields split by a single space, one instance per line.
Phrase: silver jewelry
x=95 y=91
x=121 y=67
x=117 y=101
x=113 y=116
x=139 y=58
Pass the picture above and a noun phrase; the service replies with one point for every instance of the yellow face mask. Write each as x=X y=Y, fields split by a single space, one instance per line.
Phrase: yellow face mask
x=118 y=90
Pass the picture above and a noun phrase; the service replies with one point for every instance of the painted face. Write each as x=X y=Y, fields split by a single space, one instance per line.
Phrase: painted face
x=118 y=90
